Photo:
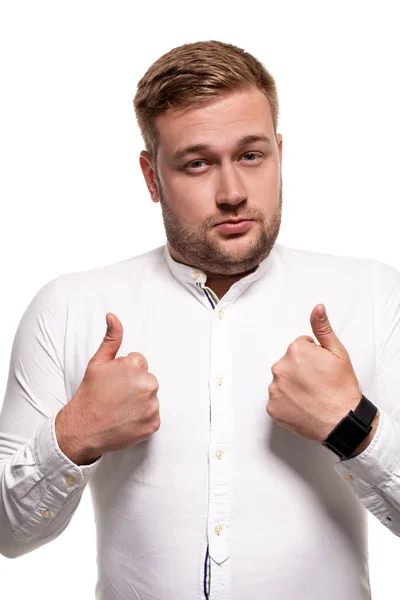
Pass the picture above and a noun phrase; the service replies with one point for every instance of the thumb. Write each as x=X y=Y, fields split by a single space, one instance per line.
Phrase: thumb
x=111 y=341
x=324 y=333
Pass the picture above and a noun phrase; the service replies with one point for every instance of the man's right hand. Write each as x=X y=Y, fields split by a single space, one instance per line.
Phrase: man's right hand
x=115 y=406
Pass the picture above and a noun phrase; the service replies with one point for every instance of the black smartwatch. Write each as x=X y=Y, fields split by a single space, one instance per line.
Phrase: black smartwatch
x=352 y=429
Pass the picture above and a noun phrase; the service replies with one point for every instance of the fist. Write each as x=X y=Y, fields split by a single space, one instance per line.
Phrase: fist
x=116 y=405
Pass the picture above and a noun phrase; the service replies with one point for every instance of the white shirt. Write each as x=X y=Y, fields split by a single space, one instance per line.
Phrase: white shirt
x=281 y=516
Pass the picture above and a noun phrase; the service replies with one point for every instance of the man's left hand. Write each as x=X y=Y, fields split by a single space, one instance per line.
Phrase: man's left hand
x=314 y=386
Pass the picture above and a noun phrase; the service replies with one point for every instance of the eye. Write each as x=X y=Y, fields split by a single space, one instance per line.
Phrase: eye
x=195 y=164
x=251 y=156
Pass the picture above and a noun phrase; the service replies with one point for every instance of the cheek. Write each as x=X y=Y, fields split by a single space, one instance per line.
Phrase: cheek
x=189 y=199
x=190 y=195
x=264 y=185
x=193 y=187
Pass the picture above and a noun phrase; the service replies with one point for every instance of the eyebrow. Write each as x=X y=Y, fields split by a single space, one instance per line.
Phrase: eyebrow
x=247 y=139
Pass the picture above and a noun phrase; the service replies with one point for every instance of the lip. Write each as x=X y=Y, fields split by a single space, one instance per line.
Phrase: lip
x=233 y=221
x=235 y=226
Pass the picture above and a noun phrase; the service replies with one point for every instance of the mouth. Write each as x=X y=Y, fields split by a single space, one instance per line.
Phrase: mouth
x=233 y=221
x=235 y=226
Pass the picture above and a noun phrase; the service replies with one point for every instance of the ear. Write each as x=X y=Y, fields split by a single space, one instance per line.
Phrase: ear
x=279 y=141
x=146 y=164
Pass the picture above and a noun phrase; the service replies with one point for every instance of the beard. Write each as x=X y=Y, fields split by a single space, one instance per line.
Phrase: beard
x=195 y=247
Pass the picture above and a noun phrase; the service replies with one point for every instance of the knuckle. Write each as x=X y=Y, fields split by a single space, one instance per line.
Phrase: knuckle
x=272 y=389
x=325 y=329
x=276 y=369
x=153 y=426
x=138 y=360
x=152 y=385
x=294 y=346
x=156 y=424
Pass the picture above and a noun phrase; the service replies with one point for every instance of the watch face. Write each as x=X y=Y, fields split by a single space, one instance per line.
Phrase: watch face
x=352 y=432
x=347 y=429
x=346 y=436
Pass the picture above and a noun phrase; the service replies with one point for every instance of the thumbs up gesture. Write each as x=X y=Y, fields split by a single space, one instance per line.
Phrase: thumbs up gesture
x=314 y=386
x=114 y=408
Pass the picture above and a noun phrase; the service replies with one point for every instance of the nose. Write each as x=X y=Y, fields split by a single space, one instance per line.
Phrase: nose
x=230 y=188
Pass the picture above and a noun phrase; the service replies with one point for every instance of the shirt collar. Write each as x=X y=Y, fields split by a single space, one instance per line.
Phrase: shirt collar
x=192 y=274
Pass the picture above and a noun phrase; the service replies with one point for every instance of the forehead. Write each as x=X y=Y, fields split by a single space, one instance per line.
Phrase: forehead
x=222 y=121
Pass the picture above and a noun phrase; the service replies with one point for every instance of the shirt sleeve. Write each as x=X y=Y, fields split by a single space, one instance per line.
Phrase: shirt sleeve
x=40 y=487
x=374 y=474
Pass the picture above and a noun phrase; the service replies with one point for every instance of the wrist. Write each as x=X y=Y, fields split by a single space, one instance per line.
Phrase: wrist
x=70 y=442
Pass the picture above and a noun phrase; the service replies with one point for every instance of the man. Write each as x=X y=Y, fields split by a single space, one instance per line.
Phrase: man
x=229 y=454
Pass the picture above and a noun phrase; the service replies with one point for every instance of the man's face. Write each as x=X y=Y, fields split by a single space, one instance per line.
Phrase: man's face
x=208 y=172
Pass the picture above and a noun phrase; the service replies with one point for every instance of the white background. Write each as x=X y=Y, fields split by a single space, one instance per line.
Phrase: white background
x=72 y=195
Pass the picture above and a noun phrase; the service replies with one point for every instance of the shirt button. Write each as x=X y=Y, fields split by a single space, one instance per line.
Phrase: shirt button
x=218 y=529
x=347 y=476
x=195 y=274
x=220 y=314
x=219 y=454
x=220 y=380
x=70 y=480
x=46 y=513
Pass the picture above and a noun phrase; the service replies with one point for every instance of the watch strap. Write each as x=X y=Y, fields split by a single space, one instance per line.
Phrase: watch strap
x=352 y=429
x=365 y=410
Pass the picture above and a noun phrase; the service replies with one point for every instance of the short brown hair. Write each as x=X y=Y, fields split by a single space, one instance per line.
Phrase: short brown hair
x=193 y=74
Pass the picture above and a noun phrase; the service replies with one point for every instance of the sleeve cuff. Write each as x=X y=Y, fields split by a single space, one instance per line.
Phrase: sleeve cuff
x=378 y=461
x=55 y=466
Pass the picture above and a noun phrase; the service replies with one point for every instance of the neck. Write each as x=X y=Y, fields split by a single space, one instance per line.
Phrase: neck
x=220 y=284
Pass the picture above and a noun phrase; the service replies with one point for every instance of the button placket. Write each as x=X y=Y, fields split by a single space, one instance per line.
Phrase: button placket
x=221 y=429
